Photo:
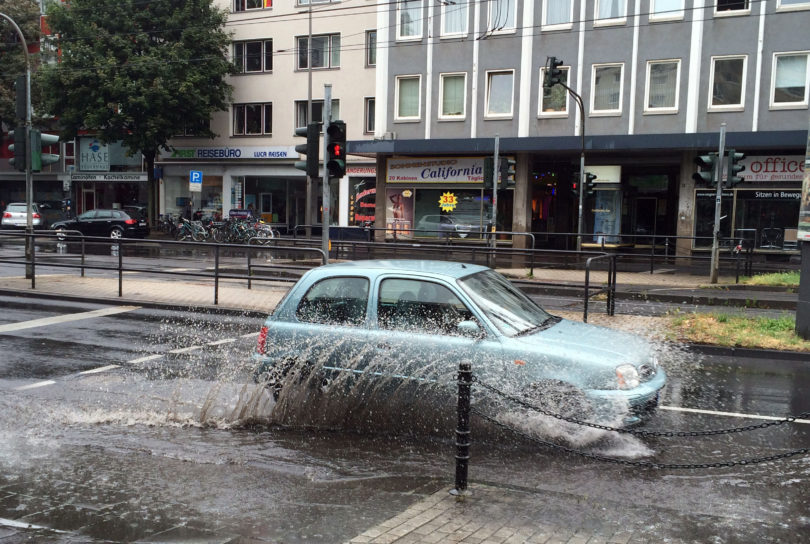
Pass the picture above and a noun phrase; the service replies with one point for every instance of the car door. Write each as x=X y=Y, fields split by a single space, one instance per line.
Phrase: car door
x=329 y=332
x=102 y=222
x=417 y=342
x=84 y=222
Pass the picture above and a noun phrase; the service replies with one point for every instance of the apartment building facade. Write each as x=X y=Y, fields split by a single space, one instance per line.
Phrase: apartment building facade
x=657 y=79
x=278 y=47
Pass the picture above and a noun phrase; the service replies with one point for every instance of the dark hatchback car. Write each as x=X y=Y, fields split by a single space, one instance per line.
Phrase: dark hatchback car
x=111 y=223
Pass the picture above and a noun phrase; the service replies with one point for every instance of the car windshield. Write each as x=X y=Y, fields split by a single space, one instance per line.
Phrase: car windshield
x=508 y=308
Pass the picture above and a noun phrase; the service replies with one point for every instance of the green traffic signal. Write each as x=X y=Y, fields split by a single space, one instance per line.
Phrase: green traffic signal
x=708 y=164
x=311 y=165
x=734 y=168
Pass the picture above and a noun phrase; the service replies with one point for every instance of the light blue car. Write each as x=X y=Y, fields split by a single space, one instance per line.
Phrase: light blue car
x=416 y=320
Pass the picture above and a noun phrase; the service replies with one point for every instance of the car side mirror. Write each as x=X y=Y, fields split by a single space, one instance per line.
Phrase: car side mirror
x=469 y=329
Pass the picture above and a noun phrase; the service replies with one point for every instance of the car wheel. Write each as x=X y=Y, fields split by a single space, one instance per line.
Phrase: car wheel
x=116 y=233
x=273 y=378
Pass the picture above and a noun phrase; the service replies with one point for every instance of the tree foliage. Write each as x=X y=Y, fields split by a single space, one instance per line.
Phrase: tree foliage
x=137 y=71
x=12 y=60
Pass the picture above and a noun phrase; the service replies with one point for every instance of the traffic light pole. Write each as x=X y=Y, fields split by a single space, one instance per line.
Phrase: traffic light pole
x=327 y=214
x=580 y=220
x=496 y=182
x=718 y=179
x=29 y=179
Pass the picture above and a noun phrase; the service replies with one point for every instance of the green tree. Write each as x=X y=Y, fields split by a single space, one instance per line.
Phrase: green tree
x=12 y=60
x=138 y=71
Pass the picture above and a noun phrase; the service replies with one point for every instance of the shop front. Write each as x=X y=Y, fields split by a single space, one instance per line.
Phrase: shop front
x=438 y=197
x=762 y=212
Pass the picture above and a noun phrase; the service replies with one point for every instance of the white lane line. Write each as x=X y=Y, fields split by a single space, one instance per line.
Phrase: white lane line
x=45 y=321
x=34 y=385
x=728 y=414
x=220 y=342
x=185 y=350
x=23 y=525
x=250 y=334
x=100 y=369
x=145 y=359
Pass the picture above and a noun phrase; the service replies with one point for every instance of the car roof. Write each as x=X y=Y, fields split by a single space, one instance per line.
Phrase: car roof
x=448 y=269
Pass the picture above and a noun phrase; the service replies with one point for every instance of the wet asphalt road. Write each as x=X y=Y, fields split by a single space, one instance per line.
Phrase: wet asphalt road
x=175 y=443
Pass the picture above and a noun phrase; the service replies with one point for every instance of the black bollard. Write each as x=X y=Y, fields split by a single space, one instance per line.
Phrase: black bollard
x=463 y=429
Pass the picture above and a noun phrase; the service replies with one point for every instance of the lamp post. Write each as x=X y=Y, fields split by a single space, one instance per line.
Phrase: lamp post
x=29 y=180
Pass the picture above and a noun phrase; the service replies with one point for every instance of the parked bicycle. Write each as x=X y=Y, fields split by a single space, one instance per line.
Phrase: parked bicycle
x=192 y=230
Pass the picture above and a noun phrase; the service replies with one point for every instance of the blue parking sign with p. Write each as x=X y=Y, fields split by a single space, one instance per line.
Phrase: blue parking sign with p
x=195 y=178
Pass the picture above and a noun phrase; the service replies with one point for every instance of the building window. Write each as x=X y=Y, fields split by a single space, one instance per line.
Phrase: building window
x=370 y=112
x=247 y=5
x=199 y=128
x=666 y=10
x=251 y=57
x=501 y=15
x=787 y=5
x=663 y=81
x=499 y=93
x=301 y=119
x=789 y=88
x=558 y=12
x=731 y=6
x=554 y=101
x=252 y=119
x=607 y=87
x=324 y=51
x=371 y=48
x=409 y=19
x=454 y=18
x=728 y=83
x=408 y=100
x=453 y=90
x=610 y=11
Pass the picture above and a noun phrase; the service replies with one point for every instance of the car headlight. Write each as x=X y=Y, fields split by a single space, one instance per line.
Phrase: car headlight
x=627 y=376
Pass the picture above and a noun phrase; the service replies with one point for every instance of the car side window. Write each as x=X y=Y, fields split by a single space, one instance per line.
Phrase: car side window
x=104 y=214
x=87 y=215
x=335 y=301
x=421 y=306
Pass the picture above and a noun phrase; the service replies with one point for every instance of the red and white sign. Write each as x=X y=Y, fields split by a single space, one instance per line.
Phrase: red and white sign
x=773 y=168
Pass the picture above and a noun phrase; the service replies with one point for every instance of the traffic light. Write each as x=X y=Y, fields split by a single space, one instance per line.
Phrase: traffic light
x=708 y=165
x=575 y=185
x=589 y=183
x=507 y=168
x=19 y=148
x=489 y=173
x=336 y=149
x=38 y=141
x=313 y=133
x=553 y=74
x=734 y=168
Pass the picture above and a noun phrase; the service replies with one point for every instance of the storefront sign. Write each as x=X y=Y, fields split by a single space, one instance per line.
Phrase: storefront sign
x=94 y=156
x=228 y=152
x=361 y=170
x=766 y=168
x=448 y=202
x=119 y=177
x=441 y=170
x=776 y=195
x=605 y=174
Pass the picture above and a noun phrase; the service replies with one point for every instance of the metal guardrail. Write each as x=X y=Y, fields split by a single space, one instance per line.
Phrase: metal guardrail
x=116 y=248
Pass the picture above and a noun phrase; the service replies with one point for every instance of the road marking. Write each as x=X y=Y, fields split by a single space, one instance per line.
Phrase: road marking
x=220 y=342
x=728 y=414
x=99 y=369
x=248 y=335
x=185 y=350
x=34 y=385
x=24 y=525
x=45 y=321
x=144 y=359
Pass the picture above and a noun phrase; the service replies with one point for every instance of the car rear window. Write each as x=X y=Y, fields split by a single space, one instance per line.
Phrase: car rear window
x=16 y=208
x=335 y=301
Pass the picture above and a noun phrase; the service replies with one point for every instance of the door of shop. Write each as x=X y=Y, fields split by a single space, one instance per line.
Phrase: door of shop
x=645 y=219
x=88 y=199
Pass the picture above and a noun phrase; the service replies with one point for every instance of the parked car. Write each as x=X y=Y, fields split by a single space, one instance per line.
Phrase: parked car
x=15 y=216
x=445 y=226
x=416 y=320
x=112 y=223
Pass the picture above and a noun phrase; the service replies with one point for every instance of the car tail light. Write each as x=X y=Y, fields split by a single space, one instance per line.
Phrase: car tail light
x=35 y=216
x=130 y=222
x=261 y=344
x=7 y=215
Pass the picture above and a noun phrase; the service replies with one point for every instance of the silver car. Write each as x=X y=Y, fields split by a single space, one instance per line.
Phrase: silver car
x=16 y=217
x=417 y=320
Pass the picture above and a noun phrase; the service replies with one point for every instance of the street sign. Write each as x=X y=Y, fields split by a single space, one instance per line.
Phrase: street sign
x=195 y=178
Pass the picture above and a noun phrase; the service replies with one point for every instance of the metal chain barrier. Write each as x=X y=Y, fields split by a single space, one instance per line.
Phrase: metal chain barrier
x=645 y=464
x=640 y=432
